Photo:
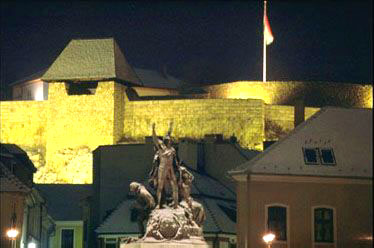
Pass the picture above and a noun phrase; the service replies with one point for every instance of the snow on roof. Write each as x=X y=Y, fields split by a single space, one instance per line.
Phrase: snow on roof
x=347 y=132
x=218 y=201
x=219 y=218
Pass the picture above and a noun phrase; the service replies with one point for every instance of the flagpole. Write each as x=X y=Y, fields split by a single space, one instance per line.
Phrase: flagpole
x=264 y=54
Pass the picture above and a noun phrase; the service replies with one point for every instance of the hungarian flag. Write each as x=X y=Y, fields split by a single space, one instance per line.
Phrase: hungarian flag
x=267 y=31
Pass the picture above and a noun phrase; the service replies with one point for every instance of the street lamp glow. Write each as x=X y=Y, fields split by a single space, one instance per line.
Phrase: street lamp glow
x=12 y=233
x=31 y=245
x=268 y=238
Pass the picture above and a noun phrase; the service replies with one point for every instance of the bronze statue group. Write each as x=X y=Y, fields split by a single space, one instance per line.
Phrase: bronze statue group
x=166 y=170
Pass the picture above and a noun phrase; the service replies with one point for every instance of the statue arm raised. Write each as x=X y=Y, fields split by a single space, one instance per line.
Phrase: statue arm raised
x=154 y=136
x=170 y=129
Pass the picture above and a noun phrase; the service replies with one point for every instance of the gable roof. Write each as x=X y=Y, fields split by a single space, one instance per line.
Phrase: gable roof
x=63 y=200
x=348 y=132
x=16 y=169
x=18 y=155
x=91 y=59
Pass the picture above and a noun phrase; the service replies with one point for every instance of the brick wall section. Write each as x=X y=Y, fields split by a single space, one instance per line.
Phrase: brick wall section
x=315 y=94
x=24 y=123
x=196 y=118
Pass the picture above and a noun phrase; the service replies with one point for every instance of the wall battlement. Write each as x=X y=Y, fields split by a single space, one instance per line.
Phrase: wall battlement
x=60 y=133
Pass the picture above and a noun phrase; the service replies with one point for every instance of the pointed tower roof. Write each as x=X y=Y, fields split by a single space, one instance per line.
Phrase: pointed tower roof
x=91 y=59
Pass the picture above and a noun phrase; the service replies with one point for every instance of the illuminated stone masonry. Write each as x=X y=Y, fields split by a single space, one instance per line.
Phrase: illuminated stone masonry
x=59 y=134
x=88 y=106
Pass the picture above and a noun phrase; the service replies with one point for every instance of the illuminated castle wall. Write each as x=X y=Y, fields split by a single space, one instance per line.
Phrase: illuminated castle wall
x=60 y=133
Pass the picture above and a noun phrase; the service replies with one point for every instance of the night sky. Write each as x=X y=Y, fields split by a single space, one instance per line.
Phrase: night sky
x=199 y=42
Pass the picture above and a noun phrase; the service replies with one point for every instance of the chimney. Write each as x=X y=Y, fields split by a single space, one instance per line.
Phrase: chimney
x=299 y=112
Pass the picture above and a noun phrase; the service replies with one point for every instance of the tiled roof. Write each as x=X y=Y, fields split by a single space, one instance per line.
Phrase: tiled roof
x=89 y=60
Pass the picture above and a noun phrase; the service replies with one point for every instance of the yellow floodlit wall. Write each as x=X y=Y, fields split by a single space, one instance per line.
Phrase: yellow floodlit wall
x=281 y=93
x=24 y=123
x=77 y=124
x=195 y=118
x=59 y=134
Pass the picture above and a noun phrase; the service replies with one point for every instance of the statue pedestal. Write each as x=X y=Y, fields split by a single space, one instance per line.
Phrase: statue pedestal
x=169 y=228
x=186 y=243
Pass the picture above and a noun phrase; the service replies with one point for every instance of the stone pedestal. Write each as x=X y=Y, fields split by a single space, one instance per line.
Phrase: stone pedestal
x=169 y=228
x=187 y=243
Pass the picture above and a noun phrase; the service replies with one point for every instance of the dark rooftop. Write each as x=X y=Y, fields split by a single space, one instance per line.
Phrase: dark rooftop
x=63 y=200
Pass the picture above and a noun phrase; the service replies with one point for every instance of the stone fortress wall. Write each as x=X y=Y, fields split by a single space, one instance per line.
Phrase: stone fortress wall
x=60 y=133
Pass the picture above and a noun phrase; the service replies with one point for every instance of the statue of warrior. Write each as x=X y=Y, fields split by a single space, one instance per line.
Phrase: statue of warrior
x=165 y=174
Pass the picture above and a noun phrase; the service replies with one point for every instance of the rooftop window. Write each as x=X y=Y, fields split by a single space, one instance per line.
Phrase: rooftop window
x=327 y=156
x=319 y=156
x=311 y=155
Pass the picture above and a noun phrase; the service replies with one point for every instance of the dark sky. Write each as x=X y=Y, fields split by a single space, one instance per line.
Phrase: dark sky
x=201 y=42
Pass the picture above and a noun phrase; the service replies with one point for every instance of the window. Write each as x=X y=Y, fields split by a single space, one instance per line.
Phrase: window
x=316 y=156
x=277 y=222
x=110 y=243
x=81 y=88
x=311 y=155
x=67 y=238
x=323 y=225
x=327 y=156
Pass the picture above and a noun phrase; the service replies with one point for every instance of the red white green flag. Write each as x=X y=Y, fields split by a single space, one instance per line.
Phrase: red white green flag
x=267 y=31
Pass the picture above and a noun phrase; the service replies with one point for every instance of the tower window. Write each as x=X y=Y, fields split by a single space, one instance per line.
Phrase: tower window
x=81 y=88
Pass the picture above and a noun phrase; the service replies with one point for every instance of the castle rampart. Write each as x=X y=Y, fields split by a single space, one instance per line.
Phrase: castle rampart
x=95 y=98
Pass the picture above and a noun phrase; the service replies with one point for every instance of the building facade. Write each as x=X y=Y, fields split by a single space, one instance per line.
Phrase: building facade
x=22 y=207
x=313 y=188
